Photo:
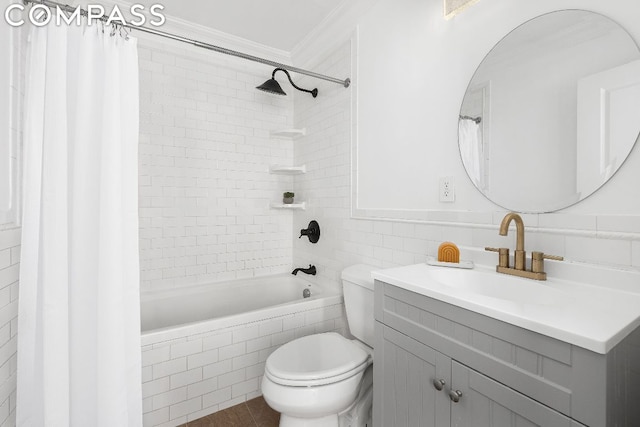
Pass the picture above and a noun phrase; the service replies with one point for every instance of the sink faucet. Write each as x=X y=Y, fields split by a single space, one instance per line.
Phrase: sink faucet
x=520 y=254
x=520 y=267
x=311 y=270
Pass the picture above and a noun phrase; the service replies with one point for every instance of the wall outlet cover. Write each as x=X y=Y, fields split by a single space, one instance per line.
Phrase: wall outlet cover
x=447 y=189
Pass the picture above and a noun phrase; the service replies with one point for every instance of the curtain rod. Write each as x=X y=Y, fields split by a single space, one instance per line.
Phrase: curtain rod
x=346 y=82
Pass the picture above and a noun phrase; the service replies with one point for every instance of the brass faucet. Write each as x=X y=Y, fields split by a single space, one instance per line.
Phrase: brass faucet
x=520 y=254
x=520 y=267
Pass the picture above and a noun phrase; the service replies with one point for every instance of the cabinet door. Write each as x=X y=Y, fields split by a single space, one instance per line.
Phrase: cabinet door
x=405 y=371
x=486 y=403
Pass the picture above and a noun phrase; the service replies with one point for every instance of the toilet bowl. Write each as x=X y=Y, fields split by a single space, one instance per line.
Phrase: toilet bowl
x=319 y=380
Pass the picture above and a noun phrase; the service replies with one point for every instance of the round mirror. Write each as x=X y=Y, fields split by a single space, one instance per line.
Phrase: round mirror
x=552 y=111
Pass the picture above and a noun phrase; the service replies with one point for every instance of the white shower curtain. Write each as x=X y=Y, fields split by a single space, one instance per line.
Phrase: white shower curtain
x=79 y=312
x=471 y=150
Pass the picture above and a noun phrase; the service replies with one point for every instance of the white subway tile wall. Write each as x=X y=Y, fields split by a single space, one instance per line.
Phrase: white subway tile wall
x=187 y=378
x=205 y=186
x=9 y=276
x=205 y=190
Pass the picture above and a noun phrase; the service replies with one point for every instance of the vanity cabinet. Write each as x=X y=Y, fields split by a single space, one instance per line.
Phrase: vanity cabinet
x=506 y=375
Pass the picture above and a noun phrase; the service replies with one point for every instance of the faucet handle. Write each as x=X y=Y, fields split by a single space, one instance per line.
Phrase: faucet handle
x=503 y=255
x=312 y=232
x=537 y=260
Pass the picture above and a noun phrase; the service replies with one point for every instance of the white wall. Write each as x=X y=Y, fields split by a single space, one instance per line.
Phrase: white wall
x=604 y=229
x=205 y=152
x=407 y=133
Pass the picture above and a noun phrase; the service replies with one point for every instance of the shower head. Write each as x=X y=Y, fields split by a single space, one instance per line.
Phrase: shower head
x=272 y=85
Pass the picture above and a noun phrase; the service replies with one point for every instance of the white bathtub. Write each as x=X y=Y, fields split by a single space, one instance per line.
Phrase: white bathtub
x=204 y=347
x=203 y=308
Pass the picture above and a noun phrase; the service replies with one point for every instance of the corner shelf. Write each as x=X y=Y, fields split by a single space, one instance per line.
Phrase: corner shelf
x=288 y=133
x=287 y=170
x=292 y=206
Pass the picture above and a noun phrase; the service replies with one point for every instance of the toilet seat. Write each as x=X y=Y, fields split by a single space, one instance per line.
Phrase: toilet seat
x=314 y=360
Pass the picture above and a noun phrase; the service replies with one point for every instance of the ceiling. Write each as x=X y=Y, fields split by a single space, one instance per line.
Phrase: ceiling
x=279 y=24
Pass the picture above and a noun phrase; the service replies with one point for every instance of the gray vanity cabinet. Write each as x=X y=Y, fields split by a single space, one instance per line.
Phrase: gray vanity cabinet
x=408 y=370
x=507 y=376
x=484 y=402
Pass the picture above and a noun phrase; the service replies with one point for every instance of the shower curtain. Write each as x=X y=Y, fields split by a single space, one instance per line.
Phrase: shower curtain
x=79 y=312
x=471 y=150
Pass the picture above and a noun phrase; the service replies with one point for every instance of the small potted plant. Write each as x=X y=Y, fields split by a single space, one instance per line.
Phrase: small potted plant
x=287 y=197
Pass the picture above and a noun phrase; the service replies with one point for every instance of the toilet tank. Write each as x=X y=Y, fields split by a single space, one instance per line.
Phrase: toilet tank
x=357 y=286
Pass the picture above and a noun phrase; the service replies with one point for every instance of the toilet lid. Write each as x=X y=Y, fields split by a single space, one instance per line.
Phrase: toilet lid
x=316 y=357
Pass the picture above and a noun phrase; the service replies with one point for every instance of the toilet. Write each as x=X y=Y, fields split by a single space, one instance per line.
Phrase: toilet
x=326 y=380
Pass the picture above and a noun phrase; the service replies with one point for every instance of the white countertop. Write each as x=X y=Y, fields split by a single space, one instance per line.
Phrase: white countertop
x=591 y=316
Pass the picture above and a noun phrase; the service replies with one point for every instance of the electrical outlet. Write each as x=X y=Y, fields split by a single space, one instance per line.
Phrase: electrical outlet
x=447 y=189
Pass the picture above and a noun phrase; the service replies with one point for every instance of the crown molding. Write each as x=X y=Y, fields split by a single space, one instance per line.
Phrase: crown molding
x=203 y=34
x=335 y=29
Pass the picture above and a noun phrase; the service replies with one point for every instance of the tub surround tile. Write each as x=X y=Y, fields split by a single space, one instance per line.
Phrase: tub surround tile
x=215 y=369
x=233 y=377
x=181 y=379
x=224 y=373
x=198 y=360
x=156 y=417
x=169 y=398
x=215 y=398
x=635 y=254
x=174 y=366
x=233 y=350
x=10 y=238
x=186 y=349
x=259 y=343
x=217 y=341
x=199 y=388
x=9 y=284
x=5 y=258
x=205 y=152
x=156 y=387
x=184 y=408
x=245 y=387
x=154 y=356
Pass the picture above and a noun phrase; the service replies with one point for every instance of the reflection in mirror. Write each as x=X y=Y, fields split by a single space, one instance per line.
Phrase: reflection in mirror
x=552 y=111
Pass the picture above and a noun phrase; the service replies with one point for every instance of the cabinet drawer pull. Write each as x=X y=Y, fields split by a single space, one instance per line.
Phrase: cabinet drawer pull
x=455 y=396
x=439 y=384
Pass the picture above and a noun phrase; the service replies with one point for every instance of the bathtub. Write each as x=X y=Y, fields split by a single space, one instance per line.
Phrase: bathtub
x=204 y=347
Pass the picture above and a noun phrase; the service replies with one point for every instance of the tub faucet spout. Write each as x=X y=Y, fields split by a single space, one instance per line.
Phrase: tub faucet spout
x=311 y=270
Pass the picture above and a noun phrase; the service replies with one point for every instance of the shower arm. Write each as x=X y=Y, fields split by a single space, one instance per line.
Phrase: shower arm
x=345 y=82
x=313 y=92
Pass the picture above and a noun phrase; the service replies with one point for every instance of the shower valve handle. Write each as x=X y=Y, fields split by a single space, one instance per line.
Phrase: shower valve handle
x=312 y=232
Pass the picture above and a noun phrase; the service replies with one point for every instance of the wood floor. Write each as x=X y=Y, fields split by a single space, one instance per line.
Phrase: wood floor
x=252 y=413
